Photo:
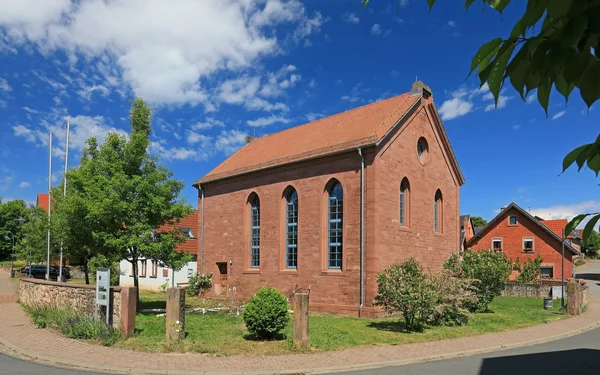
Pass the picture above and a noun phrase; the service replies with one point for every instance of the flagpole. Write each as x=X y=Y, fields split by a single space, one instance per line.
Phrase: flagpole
x=60 y=272
x=49 y=204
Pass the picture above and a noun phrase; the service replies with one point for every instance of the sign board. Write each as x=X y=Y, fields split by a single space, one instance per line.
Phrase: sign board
x=102 y=286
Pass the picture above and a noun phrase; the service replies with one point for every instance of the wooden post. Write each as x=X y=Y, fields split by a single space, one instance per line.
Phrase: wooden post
x=301 y=319
x=175 y=313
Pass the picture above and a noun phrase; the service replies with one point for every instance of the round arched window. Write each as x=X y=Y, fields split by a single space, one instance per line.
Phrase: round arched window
x=422 y=150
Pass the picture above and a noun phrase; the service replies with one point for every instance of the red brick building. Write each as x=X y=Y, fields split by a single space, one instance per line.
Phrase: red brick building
x=328 y=204
x=522 y=236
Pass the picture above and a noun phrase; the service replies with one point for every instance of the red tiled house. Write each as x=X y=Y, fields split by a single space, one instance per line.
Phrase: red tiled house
x=467 y=230
x=558 y=226
x=285 y=210
x=43 y=201
x=522 y=236
x=151 y=274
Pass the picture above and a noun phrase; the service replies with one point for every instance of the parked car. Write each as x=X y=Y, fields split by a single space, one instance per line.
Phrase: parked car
x=38 y=271
x=66 y=273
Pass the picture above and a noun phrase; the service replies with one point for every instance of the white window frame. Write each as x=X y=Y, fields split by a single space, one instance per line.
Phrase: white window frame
x=532 y=244
x=495 y=240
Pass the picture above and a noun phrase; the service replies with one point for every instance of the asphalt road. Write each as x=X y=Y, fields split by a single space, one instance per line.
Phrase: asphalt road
x=13 y=366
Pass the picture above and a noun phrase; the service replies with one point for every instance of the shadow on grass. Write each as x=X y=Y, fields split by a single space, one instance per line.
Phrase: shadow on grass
x=395 y=326
x=153 y=305
x=277 y=337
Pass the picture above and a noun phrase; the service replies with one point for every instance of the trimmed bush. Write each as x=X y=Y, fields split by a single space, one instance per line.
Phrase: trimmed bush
x=266 y=313
x=406 y=289
x=73 y=325
x=453 y=296
x=488 y=269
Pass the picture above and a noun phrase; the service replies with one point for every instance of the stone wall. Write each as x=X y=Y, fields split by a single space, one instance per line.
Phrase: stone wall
x=80 y=298
x=513 y=289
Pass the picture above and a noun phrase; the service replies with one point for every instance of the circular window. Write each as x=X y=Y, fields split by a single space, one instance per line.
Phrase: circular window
x=422 y=150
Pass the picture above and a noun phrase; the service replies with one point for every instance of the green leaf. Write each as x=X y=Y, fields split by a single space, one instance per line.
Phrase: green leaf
x=558 y=8
x=517 y=71
x=590 y=84
x=430 y=2
x=594 y=164
x=573 y=31
x=576 y=65
x=572 y=156
x=485 y=52
x=494 y=73
x=564 y=87
x=582 y=157
x=543 y=93
x=499 y=5
x=589 y=227
x=575 y=222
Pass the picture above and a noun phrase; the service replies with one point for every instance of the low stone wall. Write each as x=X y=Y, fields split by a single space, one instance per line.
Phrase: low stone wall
x=527 y=290
x=81 y=299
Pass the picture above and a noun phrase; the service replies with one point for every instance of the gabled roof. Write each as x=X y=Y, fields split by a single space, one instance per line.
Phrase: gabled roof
x=556 y=226
x=188 y=222
x=498 y=217
x=360 y=127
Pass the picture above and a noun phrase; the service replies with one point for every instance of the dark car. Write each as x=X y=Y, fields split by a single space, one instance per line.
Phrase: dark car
x=38 y=271
x=65 y=273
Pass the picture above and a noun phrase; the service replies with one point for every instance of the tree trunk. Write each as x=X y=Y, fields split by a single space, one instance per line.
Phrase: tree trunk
x=86 y=271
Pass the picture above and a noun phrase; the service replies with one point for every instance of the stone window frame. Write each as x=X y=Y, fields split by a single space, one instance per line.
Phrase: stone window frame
x=438 y=212
x=143 y=268
x=154 y=269
x=497 y=239
x=532 y=244
x=290 y=228
x=254 y=238
x=404 y=203
x=253 y=196
x=422 y=149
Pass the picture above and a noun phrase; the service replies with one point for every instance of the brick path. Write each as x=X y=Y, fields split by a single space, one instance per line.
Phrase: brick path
x=19 y=336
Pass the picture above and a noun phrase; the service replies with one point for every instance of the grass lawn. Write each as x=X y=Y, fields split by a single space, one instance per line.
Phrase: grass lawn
x=225 y=334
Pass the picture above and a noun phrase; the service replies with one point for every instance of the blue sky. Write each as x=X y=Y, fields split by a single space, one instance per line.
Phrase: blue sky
x=216 y=71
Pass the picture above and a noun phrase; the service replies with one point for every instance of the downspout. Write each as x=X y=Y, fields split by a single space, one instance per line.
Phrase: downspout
x=362 y=232
x=201 y=229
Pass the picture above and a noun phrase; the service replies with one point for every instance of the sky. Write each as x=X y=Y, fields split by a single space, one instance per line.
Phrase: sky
x=216 y=71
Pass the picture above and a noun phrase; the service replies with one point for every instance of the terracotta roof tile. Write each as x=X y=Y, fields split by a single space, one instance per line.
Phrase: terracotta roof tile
x=357 y=127
x=191 y=222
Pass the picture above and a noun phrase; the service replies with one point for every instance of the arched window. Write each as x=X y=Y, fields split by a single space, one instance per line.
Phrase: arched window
x=404 y=202
x=335 y=229
x=437 y=212
x=254 y=232
x=291 y=228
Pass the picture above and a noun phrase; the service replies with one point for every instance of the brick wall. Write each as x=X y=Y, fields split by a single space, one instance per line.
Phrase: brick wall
x=512 y=243
x=80 y=298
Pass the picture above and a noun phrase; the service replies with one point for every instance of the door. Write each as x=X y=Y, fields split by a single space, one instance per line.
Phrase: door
x=223 y=275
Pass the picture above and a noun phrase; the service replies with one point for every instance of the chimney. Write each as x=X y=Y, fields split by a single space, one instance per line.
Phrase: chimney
x=502 y=208
x=419 y=88
x=250 y=138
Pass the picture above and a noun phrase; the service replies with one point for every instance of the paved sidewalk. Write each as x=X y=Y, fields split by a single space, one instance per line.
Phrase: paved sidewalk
x=21 y=338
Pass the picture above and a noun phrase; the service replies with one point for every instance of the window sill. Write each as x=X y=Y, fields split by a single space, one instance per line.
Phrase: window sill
x=404 y=228
x=142 y=276
x=289 y=271
x=339 y=273
x=255 y=271
x=153 y=277
x=528 y=252
x=441 y=234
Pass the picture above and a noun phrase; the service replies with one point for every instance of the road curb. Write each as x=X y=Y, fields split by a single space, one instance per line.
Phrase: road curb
x=20 y=353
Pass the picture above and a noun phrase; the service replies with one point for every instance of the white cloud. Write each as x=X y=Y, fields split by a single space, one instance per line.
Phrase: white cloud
x=502 y=101
x=30 y=110
x=193 y=138
x=165 y=52
x=24 y=131
x=314 y=116
x=229 y=141
x=451 y=23
x=567 y=211
x=376 y=29
x=265 y=121
x=558 y=115
x=516 y=127
x=351 y=18
x=24 y=184
x=4 y=86
x=173 y=153
x=208 y=123
x=455 y=107
x=279 y=81
x=463 y=101
x=531 y=98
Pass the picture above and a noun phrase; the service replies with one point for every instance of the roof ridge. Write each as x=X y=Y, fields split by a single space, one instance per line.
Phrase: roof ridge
x=391 y=113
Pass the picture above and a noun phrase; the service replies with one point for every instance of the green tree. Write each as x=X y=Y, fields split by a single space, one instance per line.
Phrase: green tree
x=555 y=43
x=10 y=212
x=123 y=195
x=532 y=271
x=478 y=221
x=33 y=245
x=591 y=245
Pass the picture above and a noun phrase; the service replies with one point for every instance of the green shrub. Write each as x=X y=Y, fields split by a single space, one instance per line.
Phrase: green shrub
x=532 y=271
x=406 y=289
x=266 y=313
x=489 y=270
x=453 y=297
x=197 y=283
x=74 y=325
x=100 y=261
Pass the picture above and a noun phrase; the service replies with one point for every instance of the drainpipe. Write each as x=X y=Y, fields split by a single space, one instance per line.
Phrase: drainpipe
x=362 y=232
x=201 y=229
